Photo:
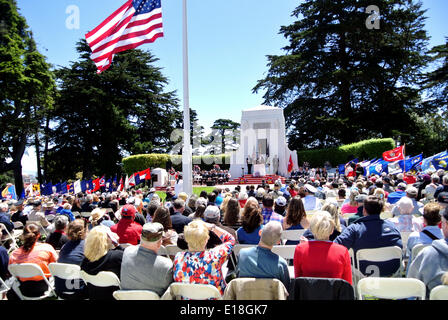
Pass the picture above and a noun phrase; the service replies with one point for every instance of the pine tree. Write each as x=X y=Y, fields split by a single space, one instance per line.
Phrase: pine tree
x=341 y=82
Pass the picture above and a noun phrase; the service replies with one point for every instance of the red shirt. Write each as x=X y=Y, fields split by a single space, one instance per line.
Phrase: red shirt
x=129 y=231
x=293 y=193
x=322 y=259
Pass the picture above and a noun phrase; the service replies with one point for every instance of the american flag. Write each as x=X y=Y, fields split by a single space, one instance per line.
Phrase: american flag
x=133 y=24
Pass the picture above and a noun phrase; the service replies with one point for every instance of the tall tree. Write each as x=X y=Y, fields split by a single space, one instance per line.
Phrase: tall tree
x=26 y=89
x=341 y=82
x=224 y=135
x=103 y=117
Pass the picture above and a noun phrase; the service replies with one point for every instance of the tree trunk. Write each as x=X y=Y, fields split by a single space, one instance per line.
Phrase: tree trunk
x=47 y=138
x=19 y=145
x=37 y=146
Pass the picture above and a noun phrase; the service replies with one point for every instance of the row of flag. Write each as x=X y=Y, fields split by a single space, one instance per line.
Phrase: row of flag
x=85 y=186
x=394 y=161
x=91 y=186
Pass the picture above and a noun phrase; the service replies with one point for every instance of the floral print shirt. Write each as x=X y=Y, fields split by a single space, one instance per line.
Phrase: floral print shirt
x=204 y=267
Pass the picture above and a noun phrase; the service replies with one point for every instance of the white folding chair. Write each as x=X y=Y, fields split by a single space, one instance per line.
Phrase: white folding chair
x=10 y=237
x=172 y=249
x=292 y=235
x=18 y=225
x=86 y=214
x=391 y=288
x=439 y=293
x=76 y=214
x=417 y=249
x=65 y=271
x=287 y=253
x=163 y=252
x=194 y=291
x=404 y=240
x=386 y=215
x=125 y=245
x=379 y=255
x=236 y=250
x=135 y=295
x=29 y=270
x=3 y=288
x=102 y=279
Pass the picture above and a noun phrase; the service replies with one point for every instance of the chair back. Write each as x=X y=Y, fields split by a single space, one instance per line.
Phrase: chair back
x=255 y=289
x=285 y=251
x=135 y=295
x=194 y=291
x=293 y=235
x=380 y=255
x=18 y=225
x=417 y=249
x=102 y=279
x=65 y=270
x=439 y=293
x=125 y=245
x=311 y=288
x=29 y=270
x=391 y=288
x=404 y=239
x=86 y=214
x=172 y=249
x=76 y=214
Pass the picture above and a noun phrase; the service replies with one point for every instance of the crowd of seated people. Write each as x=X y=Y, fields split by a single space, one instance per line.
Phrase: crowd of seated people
x=125 y=231
x=211 y=177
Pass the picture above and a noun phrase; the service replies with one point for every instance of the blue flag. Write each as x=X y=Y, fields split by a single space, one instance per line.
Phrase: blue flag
x=137 y=179
x=341 y=168
x=64 y=187
x=83 y=186
x=46 y=189
x=58 y=187
x=440 y=161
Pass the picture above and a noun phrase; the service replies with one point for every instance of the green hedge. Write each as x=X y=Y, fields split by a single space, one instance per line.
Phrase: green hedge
x=143 y=161
x=364 y=150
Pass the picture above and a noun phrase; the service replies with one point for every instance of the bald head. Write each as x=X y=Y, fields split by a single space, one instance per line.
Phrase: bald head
x=271 y=233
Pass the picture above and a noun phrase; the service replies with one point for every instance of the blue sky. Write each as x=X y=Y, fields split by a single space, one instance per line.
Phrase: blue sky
x=228 y=44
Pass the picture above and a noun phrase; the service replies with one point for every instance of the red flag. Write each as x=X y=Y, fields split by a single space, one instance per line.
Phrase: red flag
x=120 y=186
x=96 y=185
x=394 y=154
x=290 y=164
x=145 y=174
x=133 y=24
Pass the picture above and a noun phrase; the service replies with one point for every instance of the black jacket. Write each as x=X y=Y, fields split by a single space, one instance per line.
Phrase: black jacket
x=320 y=289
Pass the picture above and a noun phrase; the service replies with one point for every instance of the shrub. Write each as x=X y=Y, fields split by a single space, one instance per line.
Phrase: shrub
x=363 y=150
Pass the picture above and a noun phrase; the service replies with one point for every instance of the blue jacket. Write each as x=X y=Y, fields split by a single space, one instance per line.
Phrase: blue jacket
x=372 y=232
x=6 y=220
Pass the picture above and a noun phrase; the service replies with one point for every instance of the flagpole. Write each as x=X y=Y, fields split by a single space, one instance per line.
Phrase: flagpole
x=404 y=156
x=186 y=150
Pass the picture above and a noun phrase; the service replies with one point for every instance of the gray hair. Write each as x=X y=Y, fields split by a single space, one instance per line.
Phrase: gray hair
x=60 y=222
x=271 y=233
x=445 y=179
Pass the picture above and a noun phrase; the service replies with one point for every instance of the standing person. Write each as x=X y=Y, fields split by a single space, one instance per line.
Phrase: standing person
x=33 y=251
x=198 y=265
x=249 y=164
x=322 y=258
x=142 y=268
x=260 y=261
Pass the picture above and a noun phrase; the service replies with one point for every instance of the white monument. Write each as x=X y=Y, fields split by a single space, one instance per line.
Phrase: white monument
x=263 y=141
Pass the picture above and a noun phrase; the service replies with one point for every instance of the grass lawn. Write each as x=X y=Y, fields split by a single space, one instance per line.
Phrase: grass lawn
x=196 y=190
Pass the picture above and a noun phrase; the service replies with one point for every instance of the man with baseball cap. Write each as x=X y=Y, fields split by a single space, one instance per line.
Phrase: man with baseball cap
x=431 y=263
x=127 y=229
x=142 y=268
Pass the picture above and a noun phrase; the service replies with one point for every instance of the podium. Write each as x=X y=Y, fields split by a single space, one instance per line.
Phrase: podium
x=259 y=170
